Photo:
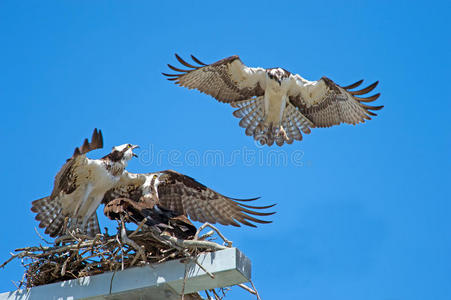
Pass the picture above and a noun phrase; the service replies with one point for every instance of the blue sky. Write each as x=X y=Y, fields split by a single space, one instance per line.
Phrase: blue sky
x=362 y=210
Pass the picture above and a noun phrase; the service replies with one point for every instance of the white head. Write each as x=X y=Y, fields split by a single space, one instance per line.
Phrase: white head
x=122 y=153
x=277 y=74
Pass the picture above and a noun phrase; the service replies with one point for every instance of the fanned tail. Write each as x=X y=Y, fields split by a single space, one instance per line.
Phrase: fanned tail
x=293 y=124
x=50 y=217
x=251 y=113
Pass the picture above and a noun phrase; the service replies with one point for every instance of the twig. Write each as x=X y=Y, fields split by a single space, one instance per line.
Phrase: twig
x=256 y=292
x=190 y=244
x=128 y=241
x=40 y=236
x=207 y=235
x=77 y=255
x=111 y=281
x=203 y=269
x=216 y=295
x=226 y=241
x=139 y=228
x=15 y=284
x=245 y=287
x=9 y=260
x=185 y=275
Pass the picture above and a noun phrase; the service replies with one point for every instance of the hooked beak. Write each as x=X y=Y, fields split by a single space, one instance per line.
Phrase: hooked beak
x=133 y=148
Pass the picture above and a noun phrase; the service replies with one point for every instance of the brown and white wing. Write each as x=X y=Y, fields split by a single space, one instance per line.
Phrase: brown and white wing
x=184 y=195
x=49 y=209
x=325 y=103
x=227 y=80
x=66 y=180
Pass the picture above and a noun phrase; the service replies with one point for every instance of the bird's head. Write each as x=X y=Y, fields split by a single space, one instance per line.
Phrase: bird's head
x=122 y=153
x=277 y=74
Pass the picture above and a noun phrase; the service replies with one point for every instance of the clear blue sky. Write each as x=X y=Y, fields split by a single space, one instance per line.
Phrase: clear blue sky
x=363 y=212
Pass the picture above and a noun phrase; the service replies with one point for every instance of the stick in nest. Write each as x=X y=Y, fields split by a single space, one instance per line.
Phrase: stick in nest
x=78 y=255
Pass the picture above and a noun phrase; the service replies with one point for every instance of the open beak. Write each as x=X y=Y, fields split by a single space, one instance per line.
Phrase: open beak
x=133 y=148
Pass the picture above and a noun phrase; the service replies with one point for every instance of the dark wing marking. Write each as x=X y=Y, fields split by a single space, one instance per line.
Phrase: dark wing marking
x=130 y=186
x=227 y=80
x=130 y=197
x=66 y=179
x=135 y=199
x=184 y=195
x=336 y=105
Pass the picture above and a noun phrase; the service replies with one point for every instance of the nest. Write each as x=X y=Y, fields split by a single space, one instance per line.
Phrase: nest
x=78 y=255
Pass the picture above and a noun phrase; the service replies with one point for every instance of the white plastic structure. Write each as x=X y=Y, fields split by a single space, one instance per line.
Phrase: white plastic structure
x=159 y=281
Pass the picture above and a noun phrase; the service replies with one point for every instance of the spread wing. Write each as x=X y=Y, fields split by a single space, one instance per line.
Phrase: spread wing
x=184 y=195
x=65 y=180
x=227 y=80
x=325 y=103
x=49 y=209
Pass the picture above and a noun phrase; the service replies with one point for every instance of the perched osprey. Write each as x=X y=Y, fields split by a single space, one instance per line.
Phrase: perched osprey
x=79 y=188
x=166 y=198
x=275 y=105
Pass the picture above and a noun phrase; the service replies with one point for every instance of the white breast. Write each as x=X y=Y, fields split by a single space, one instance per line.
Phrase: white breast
x=275 y=99
x=100 y=181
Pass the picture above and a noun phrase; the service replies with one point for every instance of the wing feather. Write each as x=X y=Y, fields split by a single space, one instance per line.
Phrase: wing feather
x=203 y=204
x=227 y=80
x=64 y=179
x=325 y=103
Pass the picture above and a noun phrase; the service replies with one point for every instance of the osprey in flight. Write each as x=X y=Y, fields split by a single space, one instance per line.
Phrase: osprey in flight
x=79 y=188
x=165 y=199
x=275 y=105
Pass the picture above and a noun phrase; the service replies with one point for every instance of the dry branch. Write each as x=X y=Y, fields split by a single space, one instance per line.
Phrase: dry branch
x=78 y=255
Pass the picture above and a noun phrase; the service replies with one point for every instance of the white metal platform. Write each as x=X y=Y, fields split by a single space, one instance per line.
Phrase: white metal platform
x=160 y=281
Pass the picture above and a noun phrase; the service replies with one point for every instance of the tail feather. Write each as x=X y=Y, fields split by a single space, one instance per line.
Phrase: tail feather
x=300 y=120
x=293 y=124
x=251 y=113
x=245 y=109
x=56 y=226
x=249 y=118
x=50 y=217
x=243 y=103
x=90 y=227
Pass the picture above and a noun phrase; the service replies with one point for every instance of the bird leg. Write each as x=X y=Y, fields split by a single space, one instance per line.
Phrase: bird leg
x=282 y=132
x=130 y=242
